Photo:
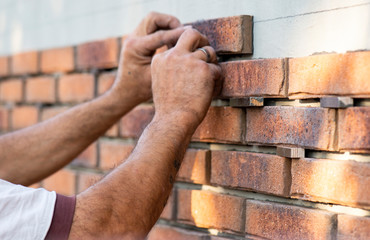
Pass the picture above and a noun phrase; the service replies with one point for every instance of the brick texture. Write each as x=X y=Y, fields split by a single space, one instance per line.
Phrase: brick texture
x=105 y=81
x=112 y=153
x=342 y=182
x=133 y=124
x=57 y=60
x=330 y=74
x=50 y=112
x=214 y=129
x=76 y=87
x=88 y=157
x=11 y=90
x=4 y=119
x=210 y=210
x=41 y=89
x=98 y=54
x=62 y=182
x=352 y=227
x=87 y=179
x=4 y=66
x=169 y=210
x=311 y=128
x=195 y=167
x=24 y=116
x=252 y=171
x=354 y=129
x=265 y=77
x=228 y=35
x=165 y=232
x=25 y=63
x=278 y=221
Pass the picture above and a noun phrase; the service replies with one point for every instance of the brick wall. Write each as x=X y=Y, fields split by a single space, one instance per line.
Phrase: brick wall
x=283 y=153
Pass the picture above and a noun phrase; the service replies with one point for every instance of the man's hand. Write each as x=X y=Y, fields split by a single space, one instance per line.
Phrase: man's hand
x=134 y=74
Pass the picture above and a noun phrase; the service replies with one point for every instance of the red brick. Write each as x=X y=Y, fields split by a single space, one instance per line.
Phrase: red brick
x=352 y=227
x=221 y=124
x=11 y=90
x=113 y=131
x=40 y=89
x=4 y=119
x=354 y=129
x=330 y=74
x=263 y=77
x=167 y=232
x=168 y=210
x=50 y=112
x=24 y=116
x=87 y=179
x=57 y=60
x=133 y=124
x=195 y=167
x=278 y=221
x=228 y=35
x=334 y=181
x=76 y=87
x=210 y=210
x=98 y=54
x=88 y=157
x=105 y=82
x=311 y=128
x=4 y=66
x=63 y=182
x=24 y=63
x=113 y=153
x=252 y=171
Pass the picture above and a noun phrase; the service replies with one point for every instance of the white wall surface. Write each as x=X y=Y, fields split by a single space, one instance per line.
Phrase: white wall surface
x=282 y=28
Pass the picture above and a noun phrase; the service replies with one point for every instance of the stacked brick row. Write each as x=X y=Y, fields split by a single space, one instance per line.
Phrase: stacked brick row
x=232 y=184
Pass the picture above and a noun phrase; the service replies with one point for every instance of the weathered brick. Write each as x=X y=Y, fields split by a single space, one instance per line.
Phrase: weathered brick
x=168 y=210
x=76 y=87
x=87 y=179
x=62 y=182
x=278 y=221
x=252 y=171
x=263 y=77
x=195 y=167
x=133 y=124
x=4 y=66
x=353 y=227
x=88 y=157
x=311 y=128
x=334 y=181
x=57 y=60
x=330 y=74
x=98 y=54
x=25 y=63
x=4 y=119
x=214 y=127
x=228 y=35
x=112 y=153
x=41 y=89
x=11 y=90
x=24 y=116
x=105 y=81
x=50 y=112
x=210 y=210
x=167 y=232
x=354 y=129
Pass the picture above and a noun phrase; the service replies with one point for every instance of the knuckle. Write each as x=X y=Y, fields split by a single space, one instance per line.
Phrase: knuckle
x=129 y=43
x=151 y=14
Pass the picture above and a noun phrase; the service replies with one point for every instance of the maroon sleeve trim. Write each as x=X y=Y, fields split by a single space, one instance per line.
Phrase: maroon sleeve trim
x=62 y=219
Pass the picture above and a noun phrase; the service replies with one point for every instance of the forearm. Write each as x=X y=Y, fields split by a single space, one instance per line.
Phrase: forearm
x=31 y=154
x=129 y=200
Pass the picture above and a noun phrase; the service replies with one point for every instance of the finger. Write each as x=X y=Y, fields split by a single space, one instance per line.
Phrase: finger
x=208 y=56
x=191 y=39
x=155 y=21
x=217 y=77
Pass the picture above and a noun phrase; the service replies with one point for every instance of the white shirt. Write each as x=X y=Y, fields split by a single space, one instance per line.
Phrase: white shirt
x=25 y=213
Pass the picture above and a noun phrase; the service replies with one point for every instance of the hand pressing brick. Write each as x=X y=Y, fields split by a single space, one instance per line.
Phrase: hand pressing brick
x=25 y=63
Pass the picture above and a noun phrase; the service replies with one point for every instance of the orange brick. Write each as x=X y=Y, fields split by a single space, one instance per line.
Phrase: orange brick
x=24 y=116
x=352 y=227
x=278 y=221
x=113 y=131
x=214 y=127
x=4 y=119
x=76 y=87
x=88 y=157
x=4 y=66
x=252 y=171
x=87 y=179
x=263 y=77
x=25 y=63
x=98 y=54
x=210 y=210
x=105 y=82
x=50 y=112
x=57 y=60
x=334 y=181
x=40 y=89
x=167 y=232
x=195 y=167
x=63 y=182
x=11 y=90
x=168 y=210
x=112 y=153
x=133 y=124
x=330 y=74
